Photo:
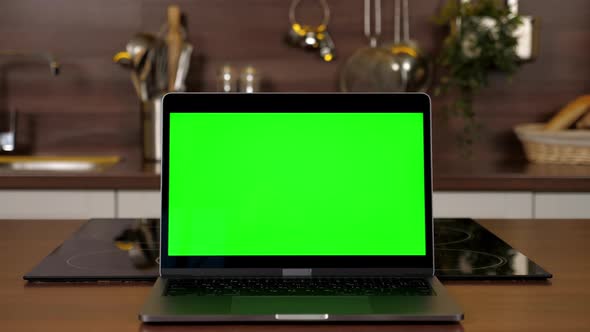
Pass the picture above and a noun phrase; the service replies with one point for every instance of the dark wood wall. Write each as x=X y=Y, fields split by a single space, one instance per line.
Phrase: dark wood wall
x=92 y=103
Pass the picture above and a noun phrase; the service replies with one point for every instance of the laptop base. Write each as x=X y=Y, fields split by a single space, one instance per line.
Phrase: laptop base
x=299 y=309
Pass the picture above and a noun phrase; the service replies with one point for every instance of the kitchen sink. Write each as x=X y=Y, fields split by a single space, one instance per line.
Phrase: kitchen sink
x=57 y=163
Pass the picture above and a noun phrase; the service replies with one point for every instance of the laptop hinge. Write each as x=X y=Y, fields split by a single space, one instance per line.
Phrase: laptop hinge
x=296 y=272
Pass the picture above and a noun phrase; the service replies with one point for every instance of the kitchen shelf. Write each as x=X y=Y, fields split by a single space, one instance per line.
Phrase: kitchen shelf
x=131 y=174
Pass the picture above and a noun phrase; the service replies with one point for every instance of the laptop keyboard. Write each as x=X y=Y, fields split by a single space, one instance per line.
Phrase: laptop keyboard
x=299 y=287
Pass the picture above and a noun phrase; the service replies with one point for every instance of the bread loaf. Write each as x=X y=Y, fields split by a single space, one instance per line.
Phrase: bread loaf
x=569 y=114
x=584 y=122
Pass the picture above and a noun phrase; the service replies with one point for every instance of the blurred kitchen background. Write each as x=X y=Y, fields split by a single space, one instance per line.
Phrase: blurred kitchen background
x=91 y=107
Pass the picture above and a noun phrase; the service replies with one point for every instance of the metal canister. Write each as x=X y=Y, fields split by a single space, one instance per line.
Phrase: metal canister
x=151 y=117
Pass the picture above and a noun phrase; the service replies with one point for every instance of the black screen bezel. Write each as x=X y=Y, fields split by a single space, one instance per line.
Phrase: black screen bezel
x=296 y=102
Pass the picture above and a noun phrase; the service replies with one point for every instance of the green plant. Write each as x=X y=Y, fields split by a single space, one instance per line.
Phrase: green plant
x=480 y=41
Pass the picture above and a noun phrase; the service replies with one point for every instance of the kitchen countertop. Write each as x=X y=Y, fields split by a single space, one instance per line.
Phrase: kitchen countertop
x=556 y=305
x=470 y=175
x=517 y=175
x=130 y=173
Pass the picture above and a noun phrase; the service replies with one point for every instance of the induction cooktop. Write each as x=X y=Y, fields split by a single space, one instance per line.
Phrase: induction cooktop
x=463 y=249
x=128 y=250
x=104 y=249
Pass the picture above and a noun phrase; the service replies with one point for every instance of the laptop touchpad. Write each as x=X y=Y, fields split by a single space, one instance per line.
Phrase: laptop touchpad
x=300 y=304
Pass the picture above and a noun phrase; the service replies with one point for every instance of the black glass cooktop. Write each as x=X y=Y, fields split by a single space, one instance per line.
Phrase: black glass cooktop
x=127 y=249
x=104 y=249
x=463 y=249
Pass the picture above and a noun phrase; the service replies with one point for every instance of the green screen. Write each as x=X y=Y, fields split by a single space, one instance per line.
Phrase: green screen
x=296 y=184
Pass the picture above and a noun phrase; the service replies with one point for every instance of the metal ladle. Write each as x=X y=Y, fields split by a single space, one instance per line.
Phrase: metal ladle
x=139 y=57
x=383 y=69
x=410 y=65
x=369 y=68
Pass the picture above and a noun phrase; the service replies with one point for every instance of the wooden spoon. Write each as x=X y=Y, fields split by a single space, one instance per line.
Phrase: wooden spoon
x=174 y=41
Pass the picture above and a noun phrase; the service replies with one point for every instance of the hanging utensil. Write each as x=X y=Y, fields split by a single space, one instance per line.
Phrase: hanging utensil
x=139 y=57
x=161 y=67
x=411 y=67
x=311 y=37
x=136 y=50
x=175 y=41
x=369 y=68
x=140 y=88
x=183 y=66
x=174 y=59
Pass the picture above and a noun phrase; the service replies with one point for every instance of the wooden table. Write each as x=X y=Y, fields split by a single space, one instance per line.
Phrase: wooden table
x=560 y=246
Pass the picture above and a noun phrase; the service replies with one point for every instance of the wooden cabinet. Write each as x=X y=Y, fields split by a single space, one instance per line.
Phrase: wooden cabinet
x=445 y=204
x=483 y=204
x=138 y=204
x=562 y=205
x=57 y=204
x=84 y=204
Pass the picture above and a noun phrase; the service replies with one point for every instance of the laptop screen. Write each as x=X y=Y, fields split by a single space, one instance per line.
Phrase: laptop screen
x=296 y=184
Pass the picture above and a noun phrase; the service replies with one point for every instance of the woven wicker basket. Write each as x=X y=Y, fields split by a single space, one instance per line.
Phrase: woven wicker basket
x=556 y=147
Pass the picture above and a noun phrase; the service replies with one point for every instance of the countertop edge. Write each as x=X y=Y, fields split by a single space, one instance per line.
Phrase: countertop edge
x=80 y=182
x=143 y=181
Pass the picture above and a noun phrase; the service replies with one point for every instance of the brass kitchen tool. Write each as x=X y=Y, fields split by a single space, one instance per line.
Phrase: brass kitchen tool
x=173 y=60
x=139 y=56
x=174 y=40
x=411 y=67
x=311 y=37
x=369 y=69
x=159 y=64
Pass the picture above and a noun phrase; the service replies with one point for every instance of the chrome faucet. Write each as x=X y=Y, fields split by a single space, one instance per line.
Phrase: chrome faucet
x=8 y=138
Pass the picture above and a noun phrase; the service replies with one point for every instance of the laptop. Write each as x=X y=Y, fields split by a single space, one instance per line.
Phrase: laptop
x=297 y=207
